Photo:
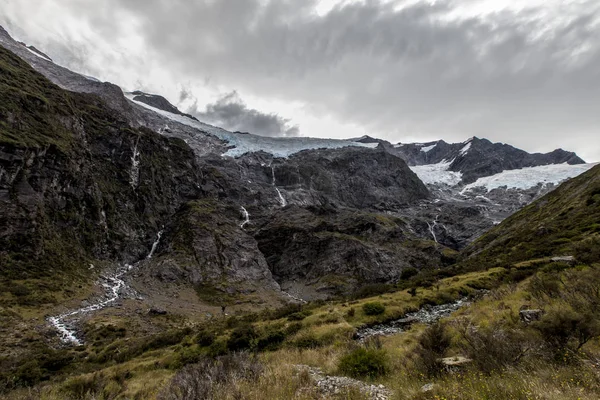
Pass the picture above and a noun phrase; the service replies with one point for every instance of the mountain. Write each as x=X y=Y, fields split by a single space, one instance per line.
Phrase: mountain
x=477 y=158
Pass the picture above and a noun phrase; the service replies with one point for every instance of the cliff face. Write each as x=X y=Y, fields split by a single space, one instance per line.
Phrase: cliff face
x=78 y=184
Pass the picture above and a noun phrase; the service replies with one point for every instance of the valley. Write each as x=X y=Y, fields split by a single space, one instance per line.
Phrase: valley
x=145 y=254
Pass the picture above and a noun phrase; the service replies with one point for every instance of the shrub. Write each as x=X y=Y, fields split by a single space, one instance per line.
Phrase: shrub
x=372 y=290
x=494 y=348
x=299 y=316
x=203 y=379
x=564 y=328
x=271 y=340
x=205 y=338
x=364 y=362
x=373 y=308
x=408 y=273
x=242 y=338
x=433 y=344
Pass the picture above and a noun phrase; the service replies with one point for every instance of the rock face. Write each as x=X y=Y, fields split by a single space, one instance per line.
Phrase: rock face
x=78 y=183
x=334 y=250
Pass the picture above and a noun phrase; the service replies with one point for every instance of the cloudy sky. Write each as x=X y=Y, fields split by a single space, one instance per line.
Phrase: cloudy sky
x=524 y=72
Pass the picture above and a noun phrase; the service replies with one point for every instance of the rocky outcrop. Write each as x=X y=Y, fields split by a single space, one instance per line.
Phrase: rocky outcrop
x=206 y=245
x=336 y=250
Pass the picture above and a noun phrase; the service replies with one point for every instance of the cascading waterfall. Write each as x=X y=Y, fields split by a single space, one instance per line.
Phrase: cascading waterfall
x=432 y=227
x=246 y=217
x=155 y=244
x=134 y=173
x=282 y=200
x=113 y=286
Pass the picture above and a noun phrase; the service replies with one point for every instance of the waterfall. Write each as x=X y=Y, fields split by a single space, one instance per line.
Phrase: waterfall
x=280 y=197
x=155 y=244
x=134 y=173
x=246 y=217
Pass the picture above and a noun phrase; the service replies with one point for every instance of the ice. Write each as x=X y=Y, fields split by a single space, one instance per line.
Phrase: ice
x=241 y=144
x=437 y=174
x=526 y=178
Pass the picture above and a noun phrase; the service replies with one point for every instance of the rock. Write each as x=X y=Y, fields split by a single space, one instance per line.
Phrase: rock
x=456 y=361
x=528 y=316
x=156 y=311
x=567 y=259
x=427 y=387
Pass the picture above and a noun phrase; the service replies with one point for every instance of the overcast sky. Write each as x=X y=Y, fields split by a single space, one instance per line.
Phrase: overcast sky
x=524 y=72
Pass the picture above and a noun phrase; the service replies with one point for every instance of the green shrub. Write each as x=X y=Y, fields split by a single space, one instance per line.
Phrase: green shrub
x=373 y=308
x=372 y=290
x=242 y=338
x=433 y=344
x=205 y=338
x=299 y=316
x=364 y=362
x=408 y=273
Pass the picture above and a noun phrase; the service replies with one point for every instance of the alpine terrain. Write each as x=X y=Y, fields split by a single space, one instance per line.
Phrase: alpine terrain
x=146 y=254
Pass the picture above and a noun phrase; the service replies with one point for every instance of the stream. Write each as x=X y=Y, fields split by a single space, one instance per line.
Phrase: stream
x=114 y=287
x=427 y=314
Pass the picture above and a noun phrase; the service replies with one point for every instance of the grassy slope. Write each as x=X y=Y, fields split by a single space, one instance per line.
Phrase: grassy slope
x=564 y=222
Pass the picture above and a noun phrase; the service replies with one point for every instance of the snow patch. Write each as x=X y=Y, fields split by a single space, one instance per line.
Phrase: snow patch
x=465 y=149
x=37 y=54
x=427 y=149
x=527 y=178
x=281 y=147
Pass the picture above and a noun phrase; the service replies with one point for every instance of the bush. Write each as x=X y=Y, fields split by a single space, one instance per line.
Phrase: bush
x=408 y=273
x=364 y=362
x=203 y=379
x=242 y=338
x=205 y=338
x=373 y=308
x=299 y=316
x=564 y=328
x=433 y=344
x=494 y=348
x=372 y=290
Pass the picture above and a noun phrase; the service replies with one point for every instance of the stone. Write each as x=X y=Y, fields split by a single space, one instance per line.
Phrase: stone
x=528 y=316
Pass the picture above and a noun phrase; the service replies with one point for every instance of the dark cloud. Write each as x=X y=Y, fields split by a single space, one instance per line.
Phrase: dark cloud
x=231 y=113
x=525 y=77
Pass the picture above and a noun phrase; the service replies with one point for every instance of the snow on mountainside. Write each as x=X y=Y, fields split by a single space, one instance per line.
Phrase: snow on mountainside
x=432 y=174
x=242 y=143
x=526 y=178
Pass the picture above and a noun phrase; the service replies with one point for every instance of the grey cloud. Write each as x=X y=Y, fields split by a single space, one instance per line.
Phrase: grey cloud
x=230 y=112
x=528 y=78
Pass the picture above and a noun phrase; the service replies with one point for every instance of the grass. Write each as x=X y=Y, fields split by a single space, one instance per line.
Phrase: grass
x=145 y=373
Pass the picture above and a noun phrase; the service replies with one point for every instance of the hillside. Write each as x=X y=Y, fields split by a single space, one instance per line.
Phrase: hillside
x=565 y=222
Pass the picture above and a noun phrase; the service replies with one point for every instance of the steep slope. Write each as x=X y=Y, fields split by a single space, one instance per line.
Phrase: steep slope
x=565 y=222
x=77 y=184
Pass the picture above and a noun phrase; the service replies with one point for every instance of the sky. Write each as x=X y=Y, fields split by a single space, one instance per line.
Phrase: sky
x=523 y=72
